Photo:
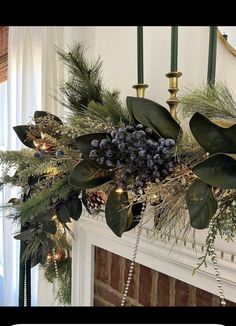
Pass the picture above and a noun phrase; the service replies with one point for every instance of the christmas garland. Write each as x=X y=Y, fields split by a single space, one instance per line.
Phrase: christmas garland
x=119 y=160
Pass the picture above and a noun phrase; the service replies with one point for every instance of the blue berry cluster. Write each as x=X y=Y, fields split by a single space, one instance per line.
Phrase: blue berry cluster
x=135 y=154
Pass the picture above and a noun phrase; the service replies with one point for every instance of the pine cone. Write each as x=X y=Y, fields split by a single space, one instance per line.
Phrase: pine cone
x=96 y=200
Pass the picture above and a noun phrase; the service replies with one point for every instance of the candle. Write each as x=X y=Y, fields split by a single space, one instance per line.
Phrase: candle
x=212 y=55
x=174 y=49
x=140 y=53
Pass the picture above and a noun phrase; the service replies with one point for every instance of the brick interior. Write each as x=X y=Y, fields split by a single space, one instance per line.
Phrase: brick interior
x=3 y=52
x=147 y=288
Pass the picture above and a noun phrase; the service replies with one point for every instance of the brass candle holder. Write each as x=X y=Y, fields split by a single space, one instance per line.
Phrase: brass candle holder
x=173 y=89
x=140 y=89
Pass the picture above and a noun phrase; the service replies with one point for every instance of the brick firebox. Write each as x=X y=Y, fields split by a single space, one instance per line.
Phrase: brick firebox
x=148 y=287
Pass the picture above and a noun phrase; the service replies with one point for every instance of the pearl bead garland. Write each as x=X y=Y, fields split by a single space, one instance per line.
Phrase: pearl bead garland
x=131 y=269
x=215 y=262
x=57 y=274
x=25 y=285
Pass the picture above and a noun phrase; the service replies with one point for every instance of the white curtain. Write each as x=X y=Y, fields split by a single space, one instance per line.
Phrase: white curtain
x=33 y=74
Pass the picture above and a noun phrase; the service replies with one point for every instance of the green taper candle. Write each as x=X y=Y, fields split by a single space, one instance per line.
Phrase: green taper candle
x=211 y=73
x=174 y=49
x=140 y=53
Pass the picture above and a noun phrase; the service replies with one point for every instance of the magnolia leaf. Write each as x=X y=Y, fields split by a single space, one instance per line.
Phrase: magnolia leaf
x=74 y=207
x=218 y=170
x=84 y=144
x=154 y=116
x=130 y=102
x=25 y=235
x=86 y=176
x=211 y=137
x=39 y=114
x=116 y=212
x=134 y=215
x=21 y=132
x=201 y=204
x=50 y=227
x=44 y=217
x=63 y=214
x=37 y=257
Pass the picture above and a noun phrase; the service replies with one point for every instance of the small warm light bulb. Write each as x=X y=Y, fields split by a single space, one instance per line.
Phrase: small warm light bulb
x=45 y=147
x=119 y=190
x=154 y=196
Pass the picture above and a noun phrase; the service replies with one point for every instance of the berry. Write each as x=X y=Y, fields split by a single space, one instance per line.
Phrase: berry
x=100 y=160
x=95 y=143
x=103 y=144
x=93 y=154
x=59 y=153
x=139 y=126
x=38 y=154
x=148 y=131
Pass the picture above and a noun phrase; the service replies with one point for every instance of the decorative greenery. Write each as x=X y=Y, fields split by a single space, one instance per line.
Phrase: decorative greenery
x=217 y=170
x=110 y=158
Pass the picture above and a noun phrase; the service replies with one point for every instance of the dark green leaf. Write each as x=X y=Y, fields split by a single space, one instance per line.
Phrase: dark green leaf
x=74 y=207
x=116 y=212
x=84 y=144
x=45 y=217
x=201 y=204
x=213 y=138
x=63 y=214
x=130 y=102
x=50 y=227
x=86 y=176
x=21 y=132
x=134 y=214
x=155 y=116
x=39 y=114
x=25 y=235
x=218 y=170
x=37 y=257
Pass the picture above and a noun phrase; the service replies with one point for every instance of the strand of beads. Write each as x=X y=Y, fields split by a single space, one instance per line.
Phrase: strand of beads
x=25 y=285
x=57 y=274
x=131 y=269
x=215 y=262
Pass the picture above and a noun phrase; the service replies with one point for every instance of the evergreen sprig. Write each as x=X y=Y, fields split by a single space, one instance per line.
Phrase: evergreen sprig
x=215 y=102
x=84 y=83
x=43 y=201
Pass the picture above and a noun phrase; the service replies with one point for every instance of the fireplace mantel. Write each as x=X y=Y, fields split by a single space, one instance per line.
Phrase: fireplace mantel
x=177 y=262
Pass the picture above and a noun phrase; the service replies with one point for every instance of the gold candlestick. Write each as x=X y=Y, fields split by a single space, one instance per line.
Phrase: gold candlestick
x=140 y=88
x=173 y=89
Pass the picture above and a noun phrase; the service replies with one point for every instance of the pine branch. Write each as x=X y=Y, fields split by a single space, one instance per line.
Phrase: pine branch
x=214 y=102
x=41 y=202
x=15 y=158
x=84 y=82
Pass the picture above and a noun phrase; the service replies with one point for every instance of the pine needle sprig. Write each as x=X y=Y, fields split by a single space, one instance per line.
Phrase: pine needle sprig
x=213 y=102
x=39 y=204
x=15 y=158
x=84 y=83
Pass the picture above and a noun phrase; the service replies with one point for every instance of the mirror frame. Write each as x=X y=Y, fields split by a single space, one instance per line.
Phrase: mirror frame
x=226 y=44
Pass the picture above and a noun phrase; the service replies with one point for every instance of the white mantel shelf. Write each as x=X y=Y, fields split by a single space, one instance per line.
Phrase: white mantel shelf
x=177 y=262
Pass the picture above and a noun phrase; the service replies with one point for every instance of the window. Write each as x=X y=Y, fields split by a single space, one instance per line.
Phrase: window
x=3 y=112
